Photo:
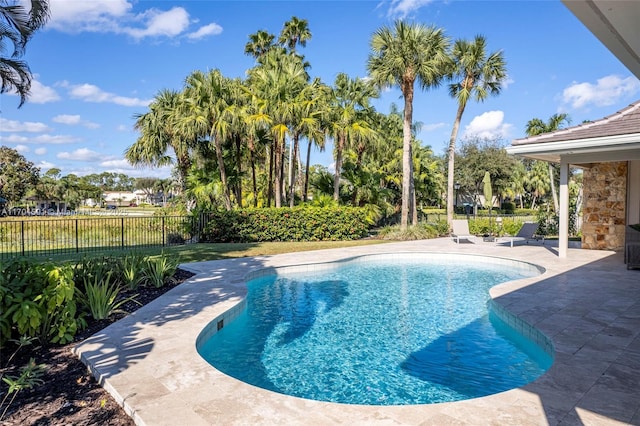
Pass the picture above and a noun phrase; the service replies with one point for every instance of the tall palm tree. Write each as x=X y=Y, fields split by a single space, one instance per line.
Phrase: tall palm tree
x=400 y=56
x=159 y=134
x=347 y=123
x=295 y=32
x=276 y=83
x=536 y=126
x=473 y=75
x=206 y=101
x=259 y=43
x=18 y=23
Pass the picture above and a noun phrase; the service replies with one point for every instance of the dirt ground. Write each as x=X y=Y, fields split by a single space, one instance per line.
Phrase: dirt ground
x=70 y=395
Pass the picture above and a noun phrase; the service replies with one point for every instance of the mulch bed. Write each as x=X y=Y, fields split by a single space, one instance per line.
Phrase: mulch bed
x=70 y=395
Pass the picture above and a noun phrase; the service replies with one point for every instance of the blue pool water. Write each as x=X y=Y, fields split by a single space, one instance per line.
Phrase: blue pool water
x=378 y=332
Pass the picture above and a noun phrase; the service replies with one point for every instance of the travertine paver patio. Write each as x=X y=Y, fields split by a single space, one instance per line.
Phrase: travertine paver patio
x=588 y=304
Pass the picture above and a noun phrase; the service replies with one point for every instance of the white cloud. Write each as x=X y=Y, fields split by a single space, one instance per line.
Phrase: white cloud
x=81 y=154
x=55 y=139
x=91 y=93
x=45 y=165
x=24 y=126
x=66 y=119
x=40 y=151
x=489 y=125
x=607 y=91
x=123 y=128
x=211 y=29
x=433 y=126
x=41 y=94
x=117 y=16
x=159 y=23
x=14 y=139
x=73 y=120
x=402 y=8
x=22 y=149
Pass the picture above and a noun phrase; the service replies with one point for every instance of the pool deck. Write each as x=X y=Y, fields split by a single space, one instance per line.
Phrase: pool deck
x=588 y=304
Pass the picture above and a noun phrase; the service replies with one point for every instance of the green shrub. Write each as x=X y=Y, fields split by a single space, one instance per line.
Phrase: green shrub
x=416 y=232
x=286 y=224
x=38 y=300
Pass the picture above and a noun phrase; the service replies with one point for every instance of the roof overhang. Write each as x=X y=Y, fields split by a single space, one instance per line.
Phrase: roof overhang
x=615 y=23
x=582 y=151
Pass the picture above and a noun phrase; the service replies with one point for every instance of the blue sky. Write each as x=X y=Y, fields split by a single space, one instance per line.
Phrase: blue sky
x=99 y=62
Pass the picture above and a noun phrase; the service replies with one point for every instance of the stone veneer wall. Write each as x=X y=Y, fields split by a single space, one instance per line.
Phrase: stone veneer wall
x=604 y=216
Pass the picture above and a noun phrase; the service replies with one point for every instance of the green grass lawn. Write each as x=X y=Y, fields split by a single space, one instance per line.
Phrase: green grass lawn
x=215 y=251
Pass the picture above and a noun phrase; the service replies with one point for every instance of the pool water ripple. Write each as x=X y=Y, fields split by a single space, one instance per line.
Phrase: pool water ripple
x=378 y=332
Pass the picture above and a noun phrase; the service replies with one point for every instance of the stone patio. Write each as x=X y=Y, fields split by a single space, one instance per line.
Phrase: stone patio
x=587 y=303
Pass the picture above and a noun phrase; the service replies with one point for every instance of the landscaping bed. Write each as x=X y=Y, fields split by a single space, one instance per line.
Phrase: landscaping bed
x=69 y=394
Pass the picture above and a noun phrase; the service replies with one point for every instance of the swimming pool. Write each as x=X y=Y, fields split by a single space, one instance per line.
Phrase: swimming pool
x=378 y=330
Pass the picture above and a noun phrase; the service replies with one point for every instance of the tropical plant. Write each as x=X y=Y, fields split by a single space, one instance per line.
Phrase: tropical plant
x=160 y=269
x=132 y=270
x=101 y=296
x=347 y=121
x=400 y=56
x=259 y=43
x=159 y=133
x=473 y=75
x=536 y=126
x=295 y=32
x=19 y=20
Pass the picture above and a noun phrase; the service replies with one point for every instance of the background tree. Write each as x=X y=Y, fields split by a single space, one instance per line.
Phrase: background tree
x=400 y=56
x=18 y=23
x=259 y=43
x=159 y=135
x=17 y=175
x=473 y=75
x=295 y=32
x=478 y=156
x=536 y=126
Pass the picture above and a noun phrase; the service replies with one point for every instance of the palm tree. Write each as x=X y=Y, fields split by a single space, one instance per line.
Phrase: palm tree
x=206 y=100
x=295 y=32
x=17 y=25
x=259 y=44
x=159 y=134
x=473 y=75
x=347 y=122
x=275 y=84
x=536 y=126
x=400 y=56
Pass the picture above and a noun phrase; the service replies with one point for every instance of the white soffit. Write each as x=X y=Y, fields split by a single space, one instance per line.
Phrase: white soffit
x=616 y=23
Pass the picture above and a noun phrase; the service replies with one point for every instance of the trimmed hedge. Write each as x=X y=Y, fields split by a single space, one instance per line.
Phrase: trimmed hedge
x=286 y=224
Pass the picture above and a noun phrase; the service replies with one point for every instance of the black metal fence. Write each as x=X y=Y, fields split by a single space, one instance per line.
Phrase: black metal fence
x=64 y=235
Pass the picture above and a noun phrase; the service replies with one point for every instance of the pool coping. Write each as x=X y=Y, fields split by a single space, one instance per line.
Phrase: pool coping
x=149 y=363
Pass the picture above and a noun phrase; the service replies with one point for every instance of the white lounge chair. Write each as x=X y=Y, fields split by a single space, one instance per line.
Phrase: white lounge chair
x=461 y=230
x=526 y=233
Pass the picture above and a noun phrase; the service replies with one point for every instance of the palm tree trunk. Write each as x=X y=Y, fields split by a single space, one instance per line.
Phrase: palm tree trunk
x=407 y=164
x=278 y=174
x=336 y=180
x=223 y=173
x=451 y=165
x=254 y=185
x=305 y=190
x=271 y=177
x=238 y=142
x=292 y=175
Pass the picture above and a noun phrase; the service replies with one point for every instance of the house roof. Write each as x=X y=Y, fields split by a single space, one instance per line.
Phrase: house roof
x=612 y=138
